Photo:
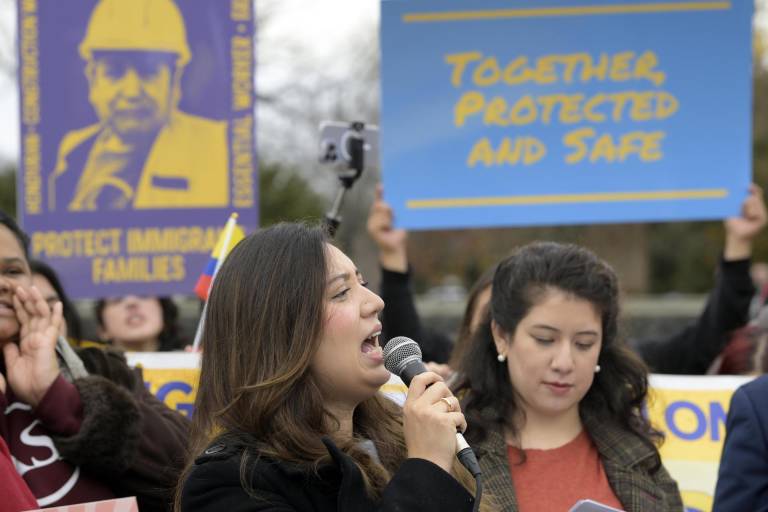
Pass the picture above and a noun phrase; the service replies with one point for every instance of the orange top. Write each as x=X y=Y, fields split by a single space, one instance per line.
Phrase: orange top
x=556 y=479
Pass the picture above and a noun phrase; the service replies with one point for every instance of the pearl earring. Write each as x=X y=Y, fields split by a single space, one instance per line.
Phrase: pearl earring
x=597 y=368
x=501 y=358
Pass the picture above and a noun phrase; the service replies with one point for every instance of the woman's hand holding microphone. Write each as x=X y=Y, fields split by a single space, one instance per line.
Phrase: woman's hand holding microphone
x=431 y=418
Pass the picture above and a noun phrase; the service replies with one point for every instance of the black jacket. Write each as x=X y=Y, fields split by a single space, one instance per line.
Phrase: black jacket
x=692 y=351
x=688 y=352
x=214 y=485
x=400 y=318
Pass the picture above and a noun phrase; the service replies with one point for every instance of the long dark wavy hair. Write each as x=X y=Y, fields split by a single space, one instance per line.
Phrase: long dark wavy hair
x=264 y=321
x=9 y=222
x=522 y=280
x=465 y=336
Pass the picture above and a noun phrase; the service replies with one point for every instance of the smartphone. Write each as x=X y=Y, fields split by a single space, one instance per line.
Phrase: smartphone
x=335 y=137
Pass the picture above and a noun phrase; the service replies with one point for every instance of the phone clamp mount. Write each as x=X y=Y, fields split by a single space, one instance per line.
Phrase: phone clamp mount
x=348 y=152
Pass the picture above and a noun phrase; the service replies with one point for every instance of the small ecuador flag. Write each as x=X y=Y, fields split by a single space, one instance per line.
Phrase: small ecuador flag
x=230 y=236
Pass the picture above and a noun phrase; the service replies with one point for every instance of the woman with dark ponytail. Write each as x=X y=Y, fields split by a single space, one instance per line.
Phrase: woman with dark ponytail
x=553 y=399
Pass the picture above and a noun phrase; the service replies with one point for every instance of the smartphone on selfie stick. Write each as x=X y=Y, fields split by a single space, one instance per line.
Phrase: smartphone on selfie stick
x=350 y=147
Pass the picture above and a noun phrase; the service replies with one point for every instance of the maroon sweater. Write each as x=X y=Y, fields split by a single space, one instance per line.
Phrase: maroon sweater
x=16 y=495
x=101 y=436
x=53 y=480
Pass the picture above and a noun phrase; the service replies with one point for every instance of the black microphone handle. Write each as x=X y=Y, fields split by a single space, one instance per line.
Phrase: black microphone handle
x=463 y=451
x=412 y=369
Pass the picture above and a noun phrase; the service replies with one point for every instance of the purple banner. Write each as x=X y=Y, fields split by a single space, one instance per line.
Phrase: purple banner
x=137 y=135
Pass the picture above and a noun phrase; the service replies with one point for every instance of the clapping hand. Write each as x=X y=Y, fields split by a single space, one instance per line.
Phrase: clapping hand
x=31 y=365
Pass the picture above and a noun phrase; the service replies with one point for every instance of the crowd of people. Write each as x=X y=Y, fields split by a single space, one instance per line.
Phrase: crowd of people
x=288 y=414
x=79 y=424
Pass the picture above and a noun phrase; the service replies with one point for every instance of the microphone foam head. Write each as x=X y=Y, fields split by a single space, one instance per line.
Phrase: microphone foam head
x=400 y=351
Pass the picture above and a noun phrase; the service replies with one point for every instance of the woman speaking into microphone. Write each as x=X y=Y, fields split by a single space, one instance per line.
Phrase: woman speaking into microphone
x=288 y=416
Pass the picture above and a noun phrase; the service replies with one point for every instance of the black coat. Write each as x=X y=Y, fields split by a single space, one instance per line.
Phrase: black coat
x=400 y=318
x=688 y=352
x=692 y=350
x=214 y=485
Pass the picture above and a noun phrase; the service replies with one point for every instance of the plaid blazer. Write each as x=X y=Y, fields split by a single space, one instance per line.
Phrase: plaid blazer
x=628 y=464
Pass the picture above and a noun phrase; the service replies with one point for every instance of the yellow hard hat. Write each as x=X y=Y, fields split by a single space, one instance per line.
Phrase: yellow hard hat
x=136 y=25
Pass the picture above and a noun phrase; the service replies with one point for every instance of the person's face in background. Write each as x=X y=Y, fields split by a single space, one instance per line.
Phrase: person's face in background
x=759 y=273
x=14 y=271
x=551 y=356
x=481 y=308
x=132 y=91
x=132 y=322
x=349 y=363
x=50 y=296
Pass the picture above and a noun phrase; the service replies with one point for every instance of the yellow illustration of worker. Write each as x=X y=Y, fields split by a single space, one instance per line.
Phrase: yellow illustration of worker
x=144 y=152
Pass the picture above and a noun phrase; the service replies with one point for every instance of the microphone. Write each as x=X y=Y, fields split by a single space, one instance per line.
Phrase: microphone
x=402 y=356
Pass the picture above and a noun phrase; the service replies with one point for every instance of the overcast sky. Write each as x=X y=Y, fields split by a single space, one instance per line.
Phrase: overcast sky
x=320 y=28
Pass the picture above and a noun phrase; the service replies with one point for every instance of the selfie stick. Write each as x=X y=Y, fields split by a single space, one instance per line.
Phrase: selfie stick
x=354 y=144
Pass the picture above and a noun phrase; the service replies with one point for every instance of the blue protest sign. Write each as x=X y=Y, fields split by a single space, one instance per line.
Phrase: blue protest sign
x=525 y=112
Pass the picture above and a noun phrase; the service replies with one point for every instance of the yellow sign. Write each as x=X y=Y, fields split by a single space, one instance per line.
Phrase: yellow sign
x=690 y=410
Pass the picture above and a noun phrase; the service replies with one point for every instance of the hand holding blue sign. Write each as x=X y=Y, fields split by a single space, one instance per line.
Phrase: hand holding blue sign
x=741 y=231
x=390 y=241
